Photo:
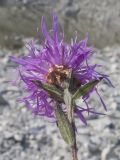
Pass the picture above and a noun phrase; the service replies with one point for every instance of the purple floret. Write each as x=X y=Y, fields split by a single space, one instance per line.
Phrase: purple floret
x=55 y=52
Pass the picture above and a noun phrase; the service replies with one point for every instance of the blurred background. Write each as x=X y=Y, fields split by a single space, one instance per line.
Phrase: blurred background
x=24 y=137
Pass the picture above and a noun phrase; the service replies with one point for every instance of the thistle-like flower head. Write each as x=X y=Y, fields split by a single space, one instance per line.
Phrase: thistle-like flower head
x=58 y=64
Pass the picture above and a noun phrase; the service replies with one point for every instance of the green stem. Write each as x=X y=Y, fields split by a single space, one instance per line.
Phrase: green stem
x=74 y=147
x=72 y=122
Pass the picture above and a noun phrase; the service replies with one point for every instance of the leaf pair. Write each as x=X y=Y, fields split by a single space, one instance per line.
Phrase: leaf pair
x=59 y=93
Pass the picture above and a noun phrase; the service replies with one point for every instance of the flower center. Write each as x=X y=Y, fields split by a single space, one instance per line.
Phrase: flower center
x=57 y=75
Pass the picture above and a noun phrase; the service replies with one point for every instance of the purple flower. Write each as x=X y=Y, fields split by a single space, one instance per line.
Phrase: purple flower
x=51 y=63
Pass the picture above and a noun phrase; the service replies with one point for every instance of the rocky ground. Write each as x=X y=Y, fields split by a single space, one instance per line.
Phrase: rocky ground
x=24 y=137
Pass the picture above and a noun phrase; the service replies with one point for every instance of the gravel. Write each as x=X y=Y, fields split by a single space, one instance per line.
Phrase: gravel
x=25 y=137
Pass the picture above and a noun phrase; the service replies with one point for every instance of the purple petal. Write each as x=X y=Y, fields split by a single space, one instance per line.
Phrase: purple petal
x=44 y=30
x=55 y=27
x=80 y=115
x=101 y=100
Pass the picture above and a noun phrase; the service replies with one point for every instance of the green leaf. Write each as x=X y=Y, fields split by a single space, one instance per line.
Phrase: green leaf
x=50 y=89
x=85 y=89
x=64 y=126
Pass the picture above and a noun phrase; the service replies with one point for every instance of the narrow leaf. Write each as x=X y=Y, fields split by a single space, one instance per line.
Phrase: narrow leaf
x=64 y=126
x=50 y=89
x=85 y=89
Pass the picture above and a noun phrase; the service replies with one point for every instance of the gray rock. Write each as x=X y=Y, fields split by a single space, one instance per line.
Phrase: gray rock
x=3 y=102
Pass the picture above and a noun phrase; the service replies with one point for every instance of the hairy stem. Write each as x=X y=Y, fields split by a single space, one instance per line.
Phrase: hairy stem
x=70 y=115
x=74 y=147
x=72 y=121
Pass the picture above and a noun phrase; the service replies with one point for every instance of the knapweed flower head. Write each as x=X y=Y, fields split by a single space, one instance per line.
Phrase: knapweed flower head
x=55 y=71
